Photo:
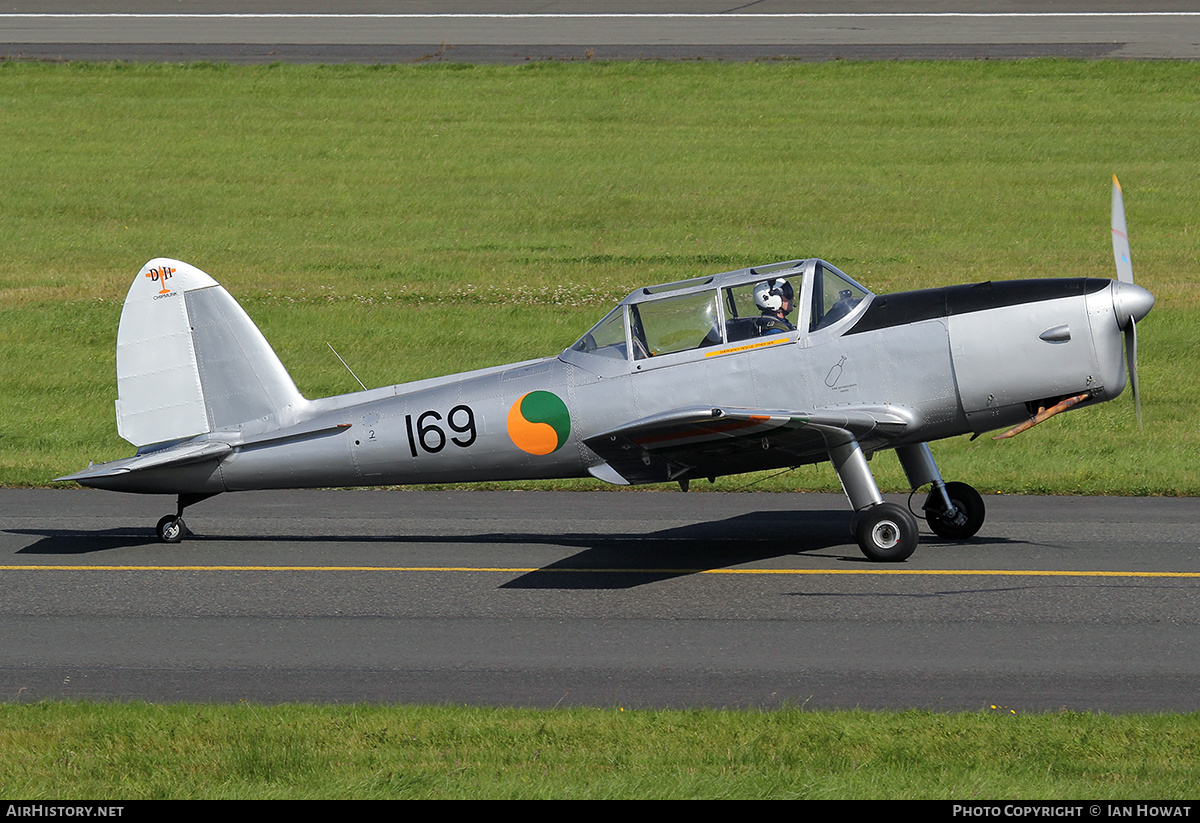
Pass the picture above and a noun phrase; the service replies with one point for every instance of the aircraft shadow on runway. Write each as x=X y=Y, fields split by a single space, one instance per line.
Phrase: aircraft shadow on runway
x=71 y=541
x=624 y=561
x=738 y=539
x=603 y=560
x=618 y=561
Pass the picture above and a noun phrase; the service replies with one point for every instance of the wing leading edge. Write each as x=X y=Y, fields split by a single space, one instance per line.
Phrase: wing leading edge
x=707 y=441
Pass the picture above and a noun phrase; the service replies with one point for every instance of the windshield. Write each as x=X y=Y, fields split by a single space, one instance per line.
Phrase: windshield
x=606 y=338
x=834 y=296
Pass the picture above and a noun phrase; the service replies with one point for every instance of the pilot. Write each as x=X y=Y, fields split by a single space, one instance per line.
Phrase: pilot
x=774 y=298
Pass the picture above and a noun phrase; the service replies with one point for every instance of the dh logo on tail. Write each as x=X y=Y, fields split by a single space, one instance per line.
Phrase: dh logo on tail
x=161 y=275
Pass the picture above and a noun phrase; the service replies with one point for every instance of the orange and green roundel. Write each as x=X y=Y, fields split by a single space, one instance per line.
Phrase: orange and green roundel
x=539 y=422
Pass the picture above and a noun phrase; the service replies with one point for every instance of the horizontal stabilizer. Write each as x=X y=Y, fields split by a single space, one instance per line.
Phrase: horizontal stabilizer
x=199 y=451
x=171 y=456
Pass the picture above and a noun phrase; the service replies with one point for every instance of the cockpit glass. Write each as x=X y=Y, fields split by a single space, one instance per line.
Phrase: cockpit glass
x=761 y=308
x=834 y=296
x=675 y=324
x=769 y=304
x=606 y=338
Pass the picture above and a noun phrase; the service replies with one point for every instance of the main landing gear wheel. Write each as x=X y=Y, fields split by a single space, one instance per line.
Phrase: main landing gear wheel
x=886 y=532
x=170 y=529
x=968 y=517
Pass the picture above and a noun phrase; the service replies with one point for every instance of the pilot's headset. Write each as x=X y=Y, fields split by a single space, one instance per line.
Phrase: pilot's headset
x=770 y=294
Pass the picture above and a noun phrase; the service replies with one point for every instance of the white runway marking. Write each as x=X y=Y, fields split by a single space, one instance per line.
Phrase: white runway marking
x=605 y=16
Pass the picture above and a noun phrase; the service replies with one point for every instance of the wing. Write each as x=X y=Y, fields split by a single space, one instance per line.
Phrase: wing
x=708 y=442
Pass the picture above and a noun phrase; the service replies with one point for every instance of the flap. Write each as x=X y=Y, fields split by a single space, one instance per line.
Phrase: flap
x=711 y=441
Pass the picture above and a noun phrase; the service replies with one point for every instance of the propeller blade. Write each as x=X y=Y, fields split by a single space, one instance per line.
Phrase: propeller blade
x=1131 y=362
x=1120 y=237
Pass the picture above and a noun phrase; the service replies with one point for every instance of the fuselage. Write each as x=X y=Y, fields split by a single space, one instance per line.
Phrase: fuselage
x=953 y=360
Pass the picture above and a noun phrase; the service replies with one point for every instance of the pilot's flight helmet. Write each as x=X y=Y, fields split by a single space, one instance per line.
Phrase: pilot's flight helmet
x=770 y=294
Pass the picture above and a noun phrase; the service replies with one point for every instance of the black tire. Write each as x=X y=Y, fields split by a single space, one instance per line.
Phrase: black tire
x=170 y=529
x=966 y=500
x=886 y=533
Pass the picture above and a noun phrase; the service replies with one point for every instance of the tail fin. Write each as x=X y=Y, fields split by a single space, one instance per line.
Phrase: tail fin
x=190 y=361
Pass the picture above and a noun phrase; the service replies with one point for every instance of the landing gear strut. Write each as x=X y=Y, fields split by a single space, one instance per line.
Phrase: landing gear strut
x=889 y=533
x=954 y=511
x=884 y=531
x=171 y=528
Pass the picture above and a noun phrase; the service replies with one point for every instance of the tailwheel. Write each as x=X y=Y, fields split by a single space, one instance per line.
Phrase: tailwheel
x=886 y=532
x=966 y=518
x=170 y=528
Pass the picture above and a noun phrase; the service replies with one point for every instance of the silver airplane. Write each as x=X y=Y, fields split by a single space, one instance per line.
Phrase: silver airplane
x=767 y=367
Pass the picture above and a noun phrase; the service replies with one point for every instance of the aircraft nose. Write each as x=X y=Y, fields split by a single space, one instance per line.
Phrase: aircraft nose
x=1130 y=302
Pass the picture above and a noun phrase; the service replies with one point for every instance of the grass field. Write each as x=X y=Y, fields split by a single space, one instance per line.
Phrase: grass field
x=426 y=220
x=72 y=751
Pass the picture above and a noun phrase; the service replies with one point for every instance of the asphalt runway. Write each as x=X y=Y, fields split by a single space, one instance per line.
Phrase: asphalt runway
x=598 y=598
x=379 y=31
